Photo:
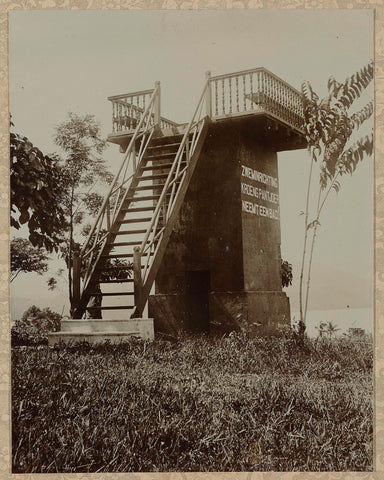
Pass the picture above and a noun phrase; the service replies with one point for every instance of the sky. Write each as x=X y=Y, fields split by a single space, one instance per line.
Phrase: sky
x=63 y=61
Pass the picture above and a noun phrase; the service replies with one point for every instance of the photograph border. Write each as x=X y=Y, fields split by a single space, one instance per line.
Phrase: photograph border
x=5 y=327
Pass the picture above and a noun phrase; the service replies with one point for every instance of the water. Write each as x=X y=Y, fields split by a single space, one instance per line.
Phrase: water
x=342 y=319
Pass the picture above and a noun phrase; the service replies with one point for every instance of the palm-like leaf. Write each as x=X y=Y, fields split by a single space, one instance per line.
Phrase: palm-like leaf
x=362 y=115
x=354 y=85
x=353 y=155
x=328 y=122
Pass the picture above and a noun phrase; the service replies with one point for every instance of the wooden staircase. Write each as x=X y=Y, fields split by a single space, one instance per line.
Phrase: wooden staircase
x=132 y=225
x=135 y=222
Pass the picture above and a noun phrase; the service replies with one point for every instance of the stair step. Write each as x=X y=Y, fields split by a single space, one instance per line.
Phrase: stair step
x=110 y=294
x=157 y=167
x=117 y=307
x=126 y=280
x=136 y=243
x=138 y=209
x=120 y=255
x=93 y=337
x=142 y=199
x=160 y=166
x=136 y=220
x=159 y=176
x=160 y=156
x=149 y=187
x=145 y=198
x=168 y=140
x=124 y=244
x=130 y=232
x=167 y=145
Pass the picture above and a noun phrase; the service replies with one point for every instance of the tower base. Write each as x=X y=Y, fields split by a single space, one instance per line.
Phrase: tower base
x=254 y=313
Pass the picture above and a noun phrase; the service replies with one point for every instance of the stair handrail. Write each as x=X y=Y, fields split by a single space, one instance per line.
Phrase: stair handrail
x=126 y=155
x=97 y=238
x=177 y=158
x=151 y=245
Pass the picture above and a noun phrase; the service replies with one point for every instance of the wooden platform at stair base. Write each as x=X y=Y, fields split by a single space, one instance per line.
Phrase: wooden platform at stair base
x=99 y=331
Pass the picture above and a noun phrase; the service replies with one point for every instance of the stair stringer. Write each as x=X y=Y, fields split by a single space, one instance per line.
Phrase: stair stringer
x=110 y=238
x=163 y=242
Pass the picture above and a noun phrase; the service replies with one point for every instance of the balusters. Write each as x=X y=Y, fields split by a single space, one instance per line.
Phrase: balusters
x=223 y=95
x=263 y=89
x=251 y=79
x=293 y=108
x=245 y=105
x=258 y=83
x=230 y=94
x=138 y=114
x=237 y=92
x=216 y=99
x=119 y=116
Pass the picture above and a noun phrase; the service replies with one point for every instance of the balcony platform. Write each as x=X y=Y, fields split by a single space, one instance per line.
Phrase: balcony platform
x=283 y=136
x=257 y=98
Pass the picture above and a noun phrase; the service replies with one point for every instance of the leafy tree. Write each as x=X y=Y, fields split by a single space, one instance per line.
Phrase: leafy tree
x=82 y=167
x=26 y=258
x=331 y=329
x=36 y=192
x=321 y=329
x=329 y=128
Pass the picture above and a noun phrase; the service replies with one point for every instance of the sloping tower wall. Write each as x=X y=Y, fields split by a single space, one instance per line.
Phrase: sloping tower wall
x=222 y=267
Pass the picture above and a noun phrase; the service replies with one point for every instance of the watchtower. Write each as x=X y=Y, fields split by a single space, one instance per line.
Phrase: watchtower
x=195 y=208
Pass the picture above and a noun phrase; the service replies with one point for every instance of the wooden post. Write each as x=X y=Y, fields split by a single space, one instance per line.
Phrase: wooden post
x=108 y=208
x=76 y=279
x=157 y=104
x=208 y=95
x=137 y=280
x=134 y=158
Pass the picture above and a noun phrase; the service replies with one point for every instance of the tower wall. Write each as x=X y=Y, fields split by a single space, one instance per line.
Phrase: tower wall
x=226 y=240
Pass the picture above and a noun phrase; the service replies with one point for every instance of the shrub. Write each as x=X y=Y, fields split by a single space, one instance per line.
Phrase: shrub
x=34 y=325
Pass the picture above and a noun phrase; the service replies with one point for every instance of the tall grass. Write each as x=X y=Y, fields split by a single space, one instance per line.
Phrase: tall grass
x=230 y=404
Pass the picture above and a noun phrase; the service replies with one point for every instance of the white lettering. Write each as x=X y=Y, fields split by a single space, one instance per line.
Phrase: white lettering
x=259 y=176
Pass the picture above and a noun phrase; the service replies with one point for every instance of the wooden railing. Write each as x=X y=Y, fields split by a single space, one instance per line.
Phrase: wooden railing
x=249 y=91
x=128 y=109
x=252 y=91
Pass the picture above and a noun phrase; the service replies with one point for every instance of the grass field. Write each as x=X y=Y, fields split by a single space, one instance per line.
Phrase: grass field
x=230 y=404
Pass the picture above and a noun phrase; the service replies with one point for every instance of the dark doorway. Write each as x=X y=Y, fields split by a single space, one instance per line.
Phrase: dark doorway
x=198 y=288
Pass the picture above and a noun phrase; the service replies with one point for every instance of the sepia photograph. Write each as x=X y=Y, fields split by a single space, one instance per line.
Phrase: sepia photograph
x=192 y=240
